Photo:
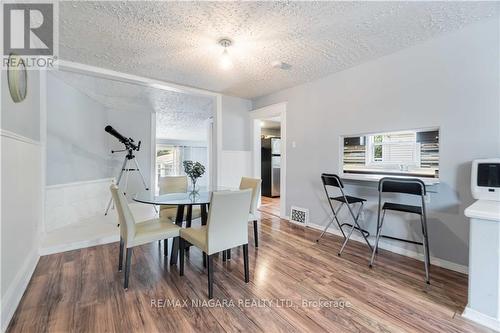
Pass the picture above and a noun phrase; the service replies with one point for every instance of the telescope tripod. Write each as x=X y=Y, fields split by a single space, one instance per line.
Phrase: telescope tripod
x=126 y=168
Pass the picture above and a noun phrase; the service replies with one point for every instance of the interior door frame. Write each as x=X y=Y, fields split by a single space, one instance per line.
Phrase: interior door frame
x=68 y=66
x=270 y=111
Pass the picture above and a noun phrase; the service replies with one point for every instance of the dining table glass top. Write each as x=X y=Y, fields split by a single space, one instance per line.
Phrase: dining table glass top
x=184 y=198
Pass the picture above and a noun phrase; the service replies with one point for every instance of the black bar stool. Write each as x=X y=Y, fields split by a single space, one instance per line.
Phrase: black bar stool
x=412 y=186
x=334 y=181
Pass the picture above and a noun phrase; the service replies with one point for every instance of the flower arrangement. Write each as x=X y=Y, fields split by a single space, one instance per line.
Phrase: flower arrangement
x=193 y=170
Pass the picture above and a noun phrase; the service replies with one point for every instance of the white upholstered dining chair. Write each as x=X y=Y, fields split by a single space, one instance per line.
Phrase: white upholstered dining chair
x=254 y=184
x=227 y=227
x=175 y=184
x=134 y=234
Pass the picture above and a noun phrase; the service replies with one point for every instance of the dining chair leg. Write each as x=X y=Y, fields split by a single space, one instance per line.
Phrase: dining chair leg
x=128 y=259
x=228 y=255
x=181 y=256
x=245 y=262
x=204 y=260
x=255 y=234
x=120 y=256
x=224 y=255
x=210 y=268
x=165 y=247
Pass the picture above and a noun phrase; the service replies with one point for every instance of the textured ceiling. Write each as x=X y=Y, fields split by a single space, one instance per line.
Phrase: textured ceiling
x=176 y=41
x=178 y=116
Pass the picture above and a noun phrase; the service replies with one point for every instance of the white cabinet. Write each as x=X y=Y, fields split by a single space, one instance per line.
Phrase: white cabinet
x=483 y=304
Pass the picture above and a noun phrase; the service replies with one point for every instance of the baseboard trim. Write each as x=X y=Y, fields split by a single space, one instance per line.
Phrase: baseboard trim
x=481 y=318
x=408 y=253
x=79 y=245
x=15 y=292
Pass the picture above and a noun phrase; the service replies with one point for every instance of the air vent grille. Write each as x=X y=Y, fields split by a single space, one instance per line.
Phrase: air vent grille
x=299 y=215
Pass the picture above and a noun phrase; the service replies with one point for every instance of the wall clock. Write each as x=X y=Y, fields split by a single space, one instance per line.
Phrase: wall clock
x=17 y=78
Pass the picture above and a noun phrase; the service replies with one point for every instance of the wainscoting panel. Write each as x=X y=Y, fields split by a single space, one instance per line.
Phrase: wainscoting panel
x=72 y=203
x=21 y=217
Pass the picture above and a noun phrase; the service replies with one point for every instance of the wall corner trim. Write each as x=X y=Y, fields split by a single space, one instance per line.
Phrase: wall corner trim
x=15 y=291
x=18 y=137
x=481 y=318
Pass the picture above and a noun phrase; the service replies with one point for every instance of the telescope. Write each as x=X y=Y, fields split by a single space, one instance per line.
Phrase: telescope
x=129 y=158
x=128 y=142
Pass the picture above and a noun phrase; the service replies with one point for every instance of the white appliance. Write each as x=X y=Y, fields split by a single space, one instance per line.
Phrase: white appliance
x=485 y=179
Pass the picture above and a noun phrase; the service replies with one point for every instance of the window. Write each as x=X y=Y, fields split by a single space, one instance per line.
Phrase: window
x=169 y=160
x=410 y=152
x=394 y=148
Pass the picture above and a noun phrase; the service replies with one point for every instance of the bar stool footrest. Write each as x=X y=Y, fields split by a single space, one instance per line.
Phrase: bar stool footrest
x=402 y=240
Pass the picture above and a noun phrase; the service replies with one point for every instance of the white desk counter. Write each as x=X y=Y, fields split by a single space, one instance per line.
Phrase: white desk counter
x=377 y=177
x=483 y=305
x=485 y=210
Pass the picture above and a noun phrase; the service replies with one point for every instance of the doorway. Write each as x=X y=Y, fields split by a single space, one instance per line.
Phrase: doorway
x=269 y=157
x=97 y=98
x=270 y=165
x=180 y=138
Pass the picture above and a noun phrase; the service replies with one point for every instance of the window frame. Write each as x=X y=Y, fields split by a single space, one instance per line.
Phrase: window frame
x=430 y=156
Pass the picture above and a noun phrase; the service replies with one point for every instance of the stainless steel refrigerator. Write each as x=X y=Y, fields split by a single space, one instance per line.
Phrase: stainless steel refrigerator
x=270 y=167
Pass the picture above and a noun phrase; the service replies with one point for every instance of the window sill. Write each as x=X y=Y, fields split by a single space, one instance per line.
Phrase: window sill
x=376 y=177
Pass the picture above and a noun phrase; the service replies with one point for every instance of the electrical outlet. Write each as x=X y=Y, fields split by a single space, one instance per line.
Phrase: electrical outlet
x=362 y=216
x=427 y=198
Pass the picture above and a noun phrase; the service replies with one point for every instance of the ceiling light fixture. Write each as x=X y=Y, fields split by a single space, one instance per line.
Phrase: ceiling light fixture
x=281 y=65
x=225 y=60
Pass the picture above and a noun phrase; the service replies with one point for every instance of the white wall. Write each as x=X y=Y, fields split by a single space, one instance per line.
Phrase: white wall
x=21 y=193
x=22 y=118
x=451 y=81
x=236 y=127
x=234 y=165
x=75 y=135
x=78 y=148
x=236 y=141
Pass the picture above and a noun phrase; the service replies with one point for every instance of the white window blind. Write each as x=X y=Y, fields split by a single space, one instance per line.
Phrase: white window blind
x=170 y=158
x=396 y=148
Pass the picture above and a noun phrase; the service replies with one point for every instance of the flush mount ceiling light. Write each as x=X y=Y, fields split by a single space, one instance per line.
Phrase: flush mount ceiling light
x=281 y=65
x=225 y=60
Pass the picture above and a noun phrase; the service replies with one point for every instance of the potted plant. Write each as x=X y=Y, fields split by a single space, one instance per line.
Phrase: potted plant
x=193 y=170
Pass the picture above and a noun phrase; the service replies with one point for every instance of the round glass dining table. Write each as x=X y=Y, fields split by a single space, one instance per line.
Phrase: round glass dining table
x=184 y=202
x=184 y=199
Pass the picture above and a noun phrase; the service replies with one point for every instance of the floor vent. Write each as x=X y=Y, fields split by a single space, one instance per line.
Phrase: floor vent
x=299 y=215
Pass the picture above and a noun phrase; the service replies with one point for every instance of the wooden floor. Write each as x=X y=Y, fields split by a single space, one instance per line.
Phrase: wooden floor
x=270 y=206
x=295 y=285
